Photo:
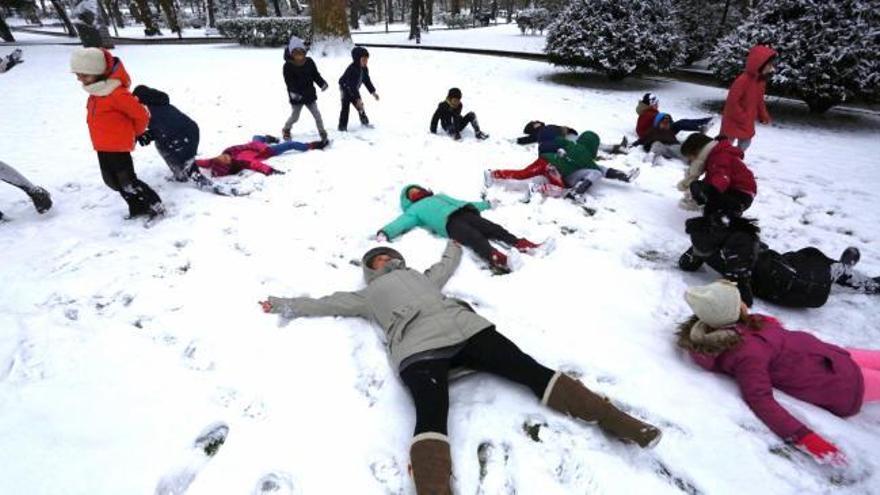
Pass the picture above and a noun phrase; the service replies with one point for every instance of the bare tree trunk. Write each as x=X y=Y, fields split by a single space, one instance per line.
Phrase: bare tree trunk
x=170 y=16
x=62 y=14
x=261 y=8
x=429 y=13
x=354 y=14
x=113 y=5
x=509 y=11
x=211 y=13
x=456 y=6
x=414 y=24
x=277 y=7
x=329 y=20
x=150 y=28
x=5 y=32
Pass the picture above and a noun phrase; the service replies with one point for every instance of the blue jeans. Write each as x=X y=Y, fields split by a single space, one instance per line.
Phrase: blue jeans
x=689 y=124
x=280 y=148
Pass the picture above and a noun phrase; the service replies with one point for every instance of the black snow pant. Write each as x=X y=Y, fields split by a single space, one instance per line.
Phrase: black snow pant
x=117 y=170
x=343 y=113
x=470 y=229
x=489 y=351
x=460 y=124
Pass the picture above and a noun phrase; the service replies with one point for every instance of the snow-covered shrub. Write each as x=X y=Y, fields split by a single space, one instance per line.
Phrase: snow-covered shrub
x=702 y=26
x=457 y=21
x=265 y=31
x=828 y=50
x=616 y=37
x=533 y=20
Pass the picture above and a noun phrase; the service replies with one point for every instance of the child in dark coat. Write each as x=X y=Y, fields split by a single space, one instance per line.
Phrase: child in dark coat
x=301 y=75
x=762 y=355
x=350 y=83
x=175 y=134
x=448 y=114
x=40 y=197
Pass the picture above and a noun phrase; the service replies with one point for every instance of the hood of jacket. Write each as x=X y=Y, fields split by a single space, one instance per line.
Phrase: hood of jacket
x=150 y=96
x=696 y=336
x=641 y=107
x=371 y=274
x=758 y=56
x=358 y=52
x=405 y=202
x=114 y=77
x=590 y=141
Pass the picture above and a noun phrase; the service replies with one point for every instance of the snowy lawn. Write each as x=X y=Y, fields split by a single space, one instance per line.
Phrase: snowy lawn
x=120 y=344
x=505 y=37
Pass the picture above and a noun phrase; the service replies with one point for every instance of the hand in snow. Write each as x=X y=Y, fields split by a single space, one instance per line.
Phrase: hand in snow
x=821 y=450
x=494 y=203
x=376 y=96
x=324 y=87
x=381 y=237
x=267 y=306
x=275 y=171
x=145 y=139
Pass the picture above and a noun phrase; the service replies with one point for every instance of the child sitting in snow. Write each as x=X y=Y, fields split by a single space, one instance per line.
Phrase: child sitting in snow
x=660 y=140
x=456 y=219
x=356 y=74
x=40 y=197
x=250 y=156
x=761 y=354
x=729 y=185
x=647 y=110
x=568 y=172
x=448 y=114
x=11 y=60
x=301 y=75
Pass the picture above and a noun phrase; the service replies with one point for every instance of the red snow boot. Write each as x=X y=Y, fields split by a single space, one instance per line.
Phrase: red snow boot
x=498 y=262
x=524 y=245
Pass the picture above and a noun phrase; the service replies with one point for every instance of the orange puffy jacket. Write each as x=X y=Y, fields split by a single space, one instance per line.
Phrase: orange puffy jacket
x=116 y=119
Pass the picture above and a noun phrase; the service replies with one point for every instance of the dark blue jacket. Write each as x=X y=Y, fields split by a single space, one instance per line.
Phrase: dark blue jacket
x=355 y=75
x=301 y=80
x=545 y=136
x=175 y=134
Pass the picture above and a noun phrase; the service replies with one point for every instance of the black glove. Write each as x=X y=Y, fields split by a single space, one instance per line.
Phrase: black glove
x=275 y=171
x=689 y=261
x=146 y=138
x=699 y=192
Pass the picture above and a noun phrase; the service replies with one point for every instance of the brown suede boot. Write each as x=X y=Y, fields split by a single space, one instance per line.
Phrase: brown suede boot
x=569 y=396
x=431 y=464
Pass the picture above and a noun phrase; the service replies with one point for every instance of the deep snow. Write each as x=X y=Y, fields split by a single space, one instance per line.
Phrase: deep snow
x=119 y=344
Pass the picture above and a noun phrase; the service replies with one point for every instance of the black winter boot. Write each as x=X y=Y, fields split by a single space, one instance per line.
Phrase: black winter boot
x=613 y=173
x=689 y=261
x=850 y=256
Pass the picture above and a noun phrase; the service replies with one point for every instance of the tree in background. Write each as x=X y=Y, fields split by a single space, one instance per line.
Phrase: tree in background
x=828 y=50
x=5 y=32
x=704 y=22
x=329 y=20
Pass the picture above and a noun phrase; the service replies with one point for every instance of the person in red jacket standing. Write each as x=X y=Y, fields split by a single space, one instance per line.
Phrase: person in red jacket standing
x=762 y=355
x=115 y=118
x=745 y=99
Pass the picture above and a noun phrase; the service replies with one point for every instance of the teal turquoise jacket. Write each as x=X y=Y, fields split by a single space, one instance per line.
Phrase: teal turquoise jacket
x=431 y=213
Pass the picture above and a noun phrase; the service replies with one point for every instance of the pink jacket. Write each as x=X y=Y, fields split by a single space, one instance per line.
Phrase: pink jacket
x=797 y=363
x=244 y=156
x=745 y=99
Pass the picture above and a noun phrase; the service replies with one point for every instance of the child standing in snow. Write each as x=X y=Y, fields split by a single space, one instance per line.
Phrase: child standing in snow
x=729 y=185
x=175 y=134
x=40 y=197
x=761 y=354
x=115 y=118
x=568 y=172
x=250 y=156
x=448 y=114
x=350 y=83
x=745 y=99
x=301 y=75
x=456 y=219
x=11 y=60
x=648 y=108
x=429 y=333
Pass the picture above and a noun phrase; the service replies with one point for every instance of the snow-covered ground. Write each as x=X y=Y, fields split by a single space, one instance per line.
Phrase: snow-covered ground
x=505 y=37
x=119 y=345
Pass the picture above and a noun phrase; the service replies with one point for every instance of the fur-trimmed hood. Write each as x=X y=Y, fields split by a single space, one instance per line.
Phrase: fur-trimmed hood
x=696 y=336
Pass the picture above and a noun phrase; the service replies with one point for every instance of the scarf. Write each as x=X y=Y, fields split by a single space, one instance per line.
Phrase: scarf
x=103 y=88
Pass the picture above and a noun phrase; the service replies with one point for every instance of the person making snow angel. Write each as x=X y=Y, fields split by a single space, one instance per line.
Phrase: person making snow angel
x=762 y=355
x=355 y=75
x=456 y=219
x=428 y=333
x=250 y=156
x=448 y=114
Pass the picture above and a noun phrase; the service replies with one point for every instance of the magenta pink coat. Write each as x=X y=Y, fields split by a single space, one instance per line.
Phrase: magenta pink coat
x=248 y=156
x=796 y=363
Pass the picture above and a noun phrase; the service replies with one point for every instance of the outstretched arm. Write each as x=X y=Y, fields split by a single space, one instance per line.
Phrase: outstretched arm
x=440 y=272
x=753 y=377
x=336 y=304
x=400 y=226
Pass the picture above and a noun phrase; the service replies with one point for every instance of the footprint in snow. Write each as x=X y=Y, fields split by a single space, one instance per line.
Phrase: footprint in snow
x=387 y=471
x=274 y=483
x=193 y=460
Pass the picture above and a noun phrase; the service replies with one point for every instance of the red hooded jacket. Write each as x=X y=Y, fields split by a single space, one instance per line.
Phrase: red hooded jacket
x=745 y=99
x=116 y=119
x=645 y=122
x=725 y=169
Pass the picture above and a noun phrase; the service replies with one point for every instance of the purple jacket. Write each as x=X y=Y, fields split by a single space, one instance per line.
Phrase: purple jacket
x=797 y=363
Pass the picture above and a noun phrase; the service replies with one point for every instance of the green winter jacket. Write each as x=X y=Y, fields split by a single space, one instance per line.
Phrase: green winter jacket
x=407 y=304
x=578 y=155
x=431 y=212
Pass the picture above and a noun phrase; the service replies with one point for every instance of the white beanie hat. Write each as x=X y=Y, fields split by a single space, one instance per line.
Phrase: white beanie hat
x=295 y=44
x=88 y=61
x=717 y=304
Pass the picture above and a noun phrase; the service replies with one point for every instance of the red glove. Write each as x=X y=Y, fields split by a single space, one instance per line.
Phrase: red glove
x=821 y=450
x=266 y=305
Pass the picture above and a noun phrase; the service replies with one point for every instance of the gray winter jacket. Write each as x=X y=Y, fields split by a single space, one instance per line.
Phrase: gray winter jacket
x=408 y=305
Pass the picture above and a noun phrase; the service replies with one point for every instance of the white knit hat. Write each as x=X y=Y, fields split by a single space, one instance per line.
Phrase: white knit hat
x=717 y=304
x=295 y=44
x=88 y=61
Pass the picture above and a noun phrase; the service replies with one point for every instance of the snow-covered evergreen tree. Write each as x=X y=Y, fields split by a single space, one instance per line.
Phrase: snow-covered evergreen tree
x=704 y=22
x=617 y=37
x=829 y=50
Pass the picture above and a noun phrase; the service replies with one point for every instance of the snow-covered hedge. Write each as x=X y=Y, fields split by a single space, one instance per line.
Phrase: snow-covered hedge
x=265 y=31
x=616 y=37
x=701 y=24
x=457 y=21
x=533 y=20
x=828 y=50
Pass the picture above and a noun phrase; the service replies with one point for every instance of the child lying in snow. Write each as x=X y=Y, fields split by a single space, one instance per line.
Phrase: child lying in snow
x=249 y=156
x=456 y=219
x=428 y=333
x=761 y=354
x=569 y=172
x=546 y=136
